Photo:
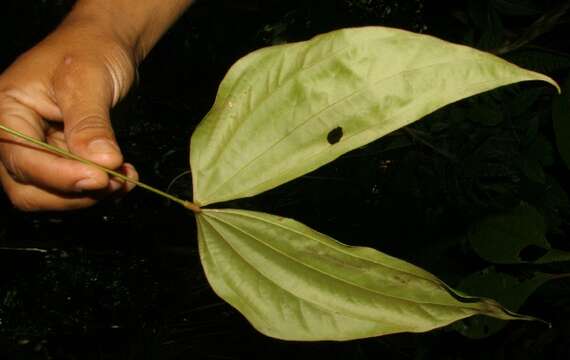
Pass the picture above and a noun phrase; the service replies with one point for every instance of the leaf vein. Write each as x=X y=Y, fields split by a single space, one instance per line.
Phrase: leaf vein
x=331 y=275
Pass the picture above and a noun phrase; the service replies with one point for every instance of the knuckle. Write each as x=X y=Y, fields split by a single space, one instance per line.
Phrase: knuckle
x=13 y=167
x=21 y=200
x=18 y=194
x=72 y=74
x=92 y=123
x=73 y=67
x=74 y=70
x=9 y=98
x=6 y=92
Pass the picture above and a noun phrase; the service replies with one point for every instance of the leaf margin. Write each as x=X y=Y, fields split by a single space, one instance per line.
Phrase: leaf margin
x=269 y=328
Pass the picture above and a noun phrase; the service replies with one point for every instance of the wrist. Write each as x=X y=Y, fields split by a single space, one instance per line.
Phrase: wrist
x=136 y=25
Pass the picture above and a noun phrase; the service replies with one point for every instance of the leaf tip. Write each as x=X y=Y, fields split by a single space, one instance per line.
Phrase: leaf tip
x=551 y=82
x=555 y=84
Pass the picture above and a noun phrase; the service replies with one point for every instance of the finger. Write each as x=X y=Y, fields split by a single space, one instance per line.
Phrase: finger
x=56 y=138
x=31 y=198
x=131 y=173
x=51 y=172
x=84 y=93
x=28 y=165
x=121 y=187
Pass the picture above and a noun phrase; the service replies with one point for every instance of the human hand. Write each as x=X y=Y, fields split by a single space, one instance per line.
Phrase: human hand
x=61 y=91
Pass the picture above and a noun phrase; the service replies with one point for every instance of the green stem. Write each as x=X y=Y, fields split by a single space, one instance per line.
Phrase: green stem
x=53 y=149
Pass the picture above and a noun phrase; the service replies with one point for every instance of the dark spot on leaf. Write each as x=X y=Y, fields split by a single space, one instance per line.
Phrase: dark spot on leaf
x=334 y=135
x=532 y=253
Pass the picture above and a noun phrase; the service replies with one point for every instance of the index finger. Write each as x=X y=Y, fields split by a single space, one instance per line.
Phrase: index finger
x=29 y=165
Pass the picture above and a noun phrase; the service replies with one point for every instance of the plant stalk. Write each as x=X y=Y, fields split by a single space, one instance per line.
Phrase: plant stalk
x=64 y=153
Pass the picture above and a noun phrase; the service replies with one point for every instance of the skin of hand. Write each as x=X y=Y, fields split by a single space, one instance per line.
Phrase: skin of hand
x=61 y=92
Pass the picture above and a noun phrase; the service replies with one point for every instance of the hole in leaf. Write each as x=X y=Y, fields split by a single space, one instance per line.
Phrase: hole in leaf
x=532 y=253
x=334 y=135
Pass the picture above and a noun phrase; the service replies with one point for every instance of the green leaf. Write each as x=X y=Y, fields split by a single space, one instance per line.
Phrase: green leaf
x=516 y=236
x=294 y=283
x=561 y=121
x=276 y=107
x=507 y=289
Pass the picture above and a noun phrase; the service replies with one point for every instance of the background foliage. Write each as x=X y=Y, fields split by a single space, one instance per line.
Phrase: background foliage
x=123 y=280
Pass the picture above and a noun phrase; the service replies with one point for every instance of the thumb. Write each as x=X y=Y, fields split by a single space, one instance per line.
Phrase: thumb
x=84 y=93
x=89 y=134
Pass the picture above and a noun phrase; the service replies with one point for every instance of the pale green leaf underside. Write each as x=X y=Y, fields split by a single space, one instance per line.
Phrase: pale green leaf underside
x=275 y=107
x=294 y=283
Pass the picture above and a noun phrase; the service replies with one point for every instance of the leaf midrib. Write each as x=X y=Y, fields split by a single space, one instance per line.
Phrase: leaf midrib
x=329 y=107
x=331 y=275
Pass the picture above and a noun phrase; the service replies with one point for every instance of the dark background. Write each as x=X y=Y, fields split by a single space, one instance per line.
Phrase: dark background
x=123 y=280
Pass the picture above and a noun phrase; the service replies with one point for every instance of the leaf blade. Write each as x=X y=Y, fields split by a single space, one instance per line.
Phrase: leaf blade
x=274 y=109
x=294 y=283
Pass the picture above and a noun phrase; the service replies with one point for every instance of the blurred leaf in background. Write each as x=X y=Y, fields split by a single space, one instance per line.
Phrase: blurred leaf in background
x=510 y=291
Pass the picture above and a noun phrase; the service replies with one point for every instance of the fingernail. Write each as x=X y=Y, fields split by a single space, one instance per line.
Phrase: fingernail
x=102 y=146
x=86 y=184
